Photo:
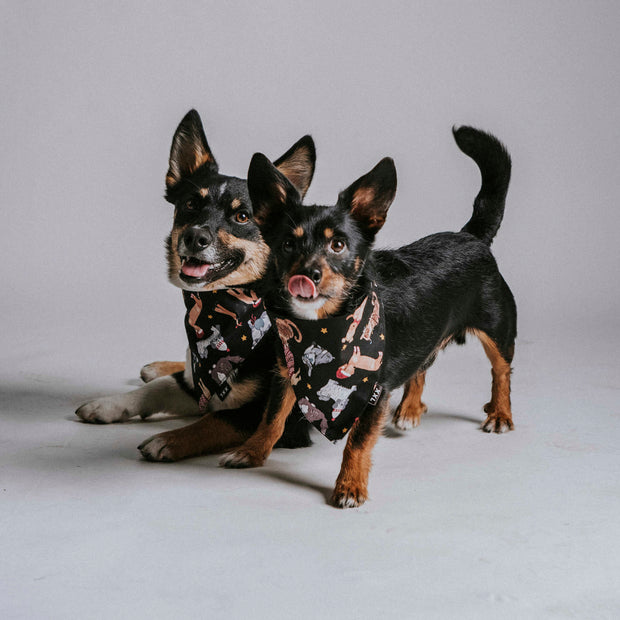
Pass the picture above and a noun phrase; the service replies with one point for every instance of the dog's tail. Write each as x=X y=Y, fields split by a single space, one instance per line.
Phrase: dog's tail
x=494 y=163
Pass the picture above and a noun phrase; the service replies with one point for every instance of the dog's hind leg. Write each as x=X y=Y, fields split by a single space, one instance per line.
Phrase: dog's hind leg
x=160 y=369
x=498 y=409
x=411 y=407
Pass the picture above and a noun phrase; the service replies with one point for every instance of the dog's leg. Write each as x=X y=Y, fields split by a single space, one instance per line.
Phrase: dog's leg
x=215 y=432
x=498 y=410
x=162 y=395
x=411 y=408
x=160 y=369
x=258 y=447
x=351 y=488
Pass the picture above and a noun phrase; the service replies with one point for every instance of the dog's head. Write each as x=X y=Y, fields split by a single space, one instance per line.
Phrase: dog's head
x=215 y=242
x=318 y=252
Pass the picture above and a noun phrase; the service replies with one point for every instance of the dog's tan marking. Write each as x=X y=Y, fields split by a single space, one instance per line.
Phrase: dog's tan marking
x=351 y=487
x=160 y=369
x=358 y=263
x=298 y=170
x=204 y=192
x=242 y=392
x=335 y=287
x=236 y=203
x=411 y=407
x=253 y=267
x=298 y=232
x=498 y=410
x=329 y=233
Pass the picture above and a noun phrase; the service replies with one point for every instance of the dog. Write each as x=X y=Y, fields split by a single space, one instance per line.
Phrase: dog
x=430 y=293
x=214 y=244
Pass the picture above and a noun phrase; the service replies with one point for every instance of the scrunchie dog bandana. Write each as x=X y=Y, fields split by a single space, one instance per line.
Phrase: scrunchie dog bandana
x=222 y=328
x=334 y=364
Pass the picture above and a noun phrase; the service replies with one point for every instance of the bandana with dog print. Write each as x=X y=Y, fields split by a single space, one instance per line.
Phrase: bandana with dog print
x=222 y=328
x=334 y=364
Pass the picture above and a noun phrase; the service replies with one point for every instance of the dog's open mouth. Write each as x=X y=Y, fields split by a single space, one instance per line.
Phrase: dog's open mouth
x=194 y=269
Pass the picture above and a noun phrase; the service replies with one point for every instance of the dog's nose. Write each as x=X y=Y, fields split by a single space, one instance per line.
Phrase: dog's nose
x=316 y=275
x=197 y=238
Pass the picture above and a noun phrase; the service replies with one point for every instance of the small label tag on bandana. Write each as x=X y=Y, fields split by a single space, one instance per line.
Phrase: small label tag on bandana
x=222 y=328
x=376 y=393
x=334 y=364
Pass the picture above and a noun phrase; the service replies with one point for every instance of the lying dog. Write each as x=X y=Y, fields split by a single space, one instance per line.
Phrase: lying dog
x=214 y=244
x=430 y=293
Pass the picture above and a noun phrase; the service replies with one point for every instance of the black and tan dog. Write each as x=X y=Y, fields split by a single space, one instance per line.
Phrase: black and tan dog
x=214 y=244
x=432 y=292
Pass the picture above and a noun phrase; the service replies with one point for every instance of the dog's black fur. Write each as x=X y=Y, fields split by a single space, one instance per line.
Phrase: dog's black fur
x=213 y=227
x=433 y=291
x=215 y=210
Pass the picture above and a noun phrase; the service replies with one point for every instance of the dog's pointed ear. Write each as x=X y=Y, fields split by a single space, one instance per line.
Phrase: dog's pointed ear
x=189 y=151
x=298 y=163
x=370 y=197
x=270 y=191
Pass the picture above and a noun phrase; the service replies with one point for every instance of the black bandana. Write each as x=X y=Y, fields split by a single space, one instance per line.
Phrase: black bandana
x=334 y=364
x=222 y=328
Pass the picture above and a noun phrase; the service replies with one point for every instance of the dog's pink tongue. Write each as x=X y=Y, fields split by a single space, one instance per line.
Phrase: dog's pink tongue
x=302 y=286
x=195 y=270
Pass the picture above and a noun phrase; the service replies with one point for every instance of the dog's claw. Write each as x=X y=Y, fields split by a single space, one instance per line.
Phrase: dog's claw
x=497 y=423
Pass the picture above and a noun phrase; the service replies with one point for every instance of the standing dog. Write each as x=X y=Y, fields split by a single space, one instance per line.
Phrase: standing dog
x=431 y=292
x=214 y=244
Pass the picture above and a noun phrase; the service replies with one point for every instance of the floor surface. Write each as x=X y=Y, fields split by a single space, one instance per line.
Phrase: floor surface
x=460 y=523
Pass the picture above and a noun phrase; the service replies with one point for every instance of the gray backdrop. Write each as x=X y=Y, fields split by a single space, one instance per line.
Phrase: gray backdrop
x=92 y=94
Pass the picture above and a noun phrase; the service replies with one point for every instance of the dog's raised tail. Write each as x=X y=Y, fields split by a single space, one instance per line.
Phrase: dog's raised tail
x=494 y=163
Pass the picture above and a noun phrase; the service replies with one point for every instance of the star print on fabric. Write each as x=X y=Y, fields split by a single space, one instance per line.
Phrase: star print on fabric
x=308 y=386
x=382 y=336
x=244 y=337
x=365 y=379
x=324 y=330
x=209 y=316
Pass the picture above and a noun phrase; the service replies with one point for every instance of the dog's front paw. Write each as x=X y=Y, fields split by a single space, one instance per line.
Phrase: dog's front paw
x=104 y=411
x=497 y=422
x=241 y=458
x=348 y=496
x=405 y=419
x=158 y=449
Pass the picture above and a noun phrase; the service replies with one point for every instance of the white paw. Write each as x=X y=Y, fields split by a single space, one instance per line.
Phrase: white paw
x=348 y=499
x=156 y=448
x=235 y=460
x=104 y=411
x=149 y=372
x=405 y=424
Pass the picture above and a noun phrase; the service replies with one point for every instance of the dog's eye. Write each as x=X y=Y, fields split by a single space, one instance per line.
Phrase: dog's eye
x=242 y=217
x=287 y=246
x=337 y=245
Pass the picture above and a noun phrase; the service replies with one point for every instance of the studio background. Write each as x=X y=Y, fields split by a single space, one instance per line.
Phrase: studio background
x=91 y=96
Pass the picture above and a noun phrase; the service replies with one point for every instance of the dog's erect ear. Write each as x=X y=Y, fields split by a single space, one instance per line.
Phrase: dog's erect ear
x=370 y=197
x=189 y=150
x=270 y=191
x=297 y=164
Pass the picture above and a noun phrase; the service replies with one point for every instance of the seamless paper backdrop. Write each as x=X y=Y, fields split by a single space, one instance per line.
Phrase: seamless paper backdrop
x=92 y=94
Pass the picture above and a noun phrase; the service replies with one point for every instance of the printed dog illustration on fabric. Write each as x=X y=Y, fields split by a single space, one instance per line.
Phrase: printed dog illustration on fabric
x=431 y=292
x=215 y=245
